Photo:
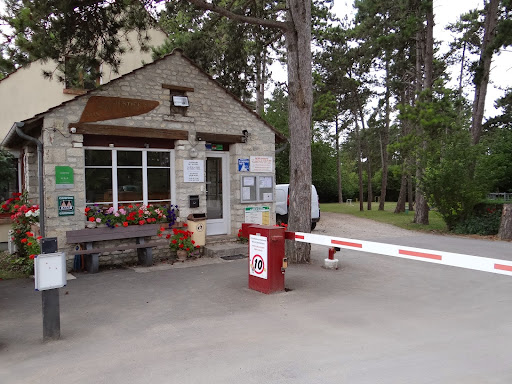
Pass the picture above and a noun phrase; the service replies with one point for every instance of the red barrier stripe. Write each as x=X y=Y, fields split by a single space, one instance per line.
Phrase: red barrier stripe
x=503 y=267
x=299 y=237
x=420 y=254
x=338 y=242
x=289 y=235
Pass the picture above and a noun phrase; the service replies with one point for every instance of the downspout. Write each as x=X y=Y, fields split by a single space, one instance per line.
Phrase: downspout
x=21 y=134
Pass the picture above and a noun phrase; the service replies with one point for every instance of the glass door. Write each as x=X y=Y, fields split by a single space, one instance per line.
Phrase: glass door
x=217 y=193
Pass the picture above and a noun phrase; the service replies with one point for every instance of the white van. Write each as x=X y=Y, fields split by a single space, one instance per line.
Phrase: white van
x=282 y=202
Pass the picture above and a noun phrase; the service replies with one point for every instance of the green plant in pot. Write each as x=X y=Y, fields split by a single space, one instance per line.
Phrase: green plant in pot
x=181 y=242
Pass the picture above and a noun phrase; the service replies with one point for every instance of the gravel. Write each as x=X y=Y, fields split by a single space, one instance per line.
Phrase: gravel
x=348 y=226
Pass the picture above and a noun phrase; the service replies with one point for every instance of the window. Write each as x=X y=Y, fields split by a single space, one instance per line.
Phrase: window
x=120 y=176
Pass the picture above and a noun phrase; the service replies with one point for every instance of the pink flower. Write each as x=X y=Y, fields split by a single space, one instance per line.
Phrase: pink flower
x=98 y=220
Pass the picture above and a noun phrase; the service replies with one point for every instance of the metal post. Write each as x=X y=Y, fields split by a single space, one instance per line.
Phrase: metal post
x=50 y=299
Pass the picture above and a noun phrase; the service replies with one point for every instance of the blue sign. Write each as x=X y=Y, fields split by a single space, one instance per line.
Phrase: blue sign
x=243 y=165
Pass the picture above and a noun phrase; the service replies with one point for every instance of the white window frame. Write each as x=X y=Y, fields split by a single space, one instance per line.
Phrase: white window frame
x=144 y=166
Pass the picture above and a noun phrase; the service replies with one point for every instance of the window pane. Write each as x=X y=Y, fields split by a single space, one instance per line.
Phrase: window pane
x=159 y=184
x=129 y=183
x=129 y=158
x=98 y=158
x=98 y=184
x=159 y=159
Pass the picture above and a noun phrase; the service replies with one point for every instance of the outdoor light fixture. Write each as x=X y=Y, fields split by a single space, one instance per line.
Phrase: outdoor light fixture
x=245 y=136
x=72 y=130
x=180 y=101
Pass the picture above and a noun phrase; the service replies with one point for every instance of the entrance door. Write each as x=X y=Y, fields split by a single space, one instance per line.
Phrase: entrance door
x=217 y=193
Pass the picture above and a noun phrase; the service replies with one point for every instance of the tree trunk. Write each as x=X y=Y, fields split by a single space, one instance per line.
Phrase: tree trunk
x=370 y=189
x=384 y=142
x=338 y=165
x=359 y=165
x=505 y=232
x=298 y=47
x=400 y=206
x=261 y=63
x=409 y=192
x=421 y=213
x=483 y=70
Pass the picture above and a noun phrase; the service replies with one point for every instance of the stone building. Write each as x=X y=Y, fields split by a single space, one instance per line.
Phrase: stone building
x=166 y=133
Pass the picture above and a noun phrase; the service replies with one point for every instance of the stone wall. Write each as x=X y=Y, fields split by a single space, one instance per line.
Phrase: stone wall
x=212 y=109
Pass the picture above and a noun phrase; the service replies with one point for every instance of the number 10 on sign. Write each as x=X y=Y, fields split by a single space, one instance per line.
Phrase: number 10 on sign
x=258 y=256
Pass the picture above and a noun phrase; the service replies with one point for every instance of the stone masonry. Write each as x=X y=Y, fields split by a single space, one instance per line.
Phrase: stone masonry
x=212 y=109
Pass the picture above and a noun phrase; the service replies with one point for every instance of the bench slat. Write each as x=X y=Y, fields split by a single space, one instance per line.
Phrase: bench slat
x=102 y=234
x=120 y=248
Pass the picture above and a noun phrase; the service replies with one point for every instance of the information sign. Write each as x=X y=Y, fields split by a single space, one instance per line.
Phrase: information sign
x=257 y=215
x=193 y=171
x=258 y=256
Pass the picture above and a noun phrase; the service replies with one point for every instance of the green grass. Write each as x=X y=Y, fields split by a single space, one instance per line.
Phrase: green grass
x=402 y=220
x=7 y=270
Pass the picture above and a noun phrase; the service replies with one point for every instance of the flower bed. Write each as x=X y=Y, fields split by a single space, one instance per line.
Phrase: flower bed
x=132 y=214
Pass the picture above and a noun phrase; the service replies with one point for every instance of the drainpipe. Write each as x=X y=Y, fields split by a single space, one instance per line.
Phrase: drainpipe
x=21 y=134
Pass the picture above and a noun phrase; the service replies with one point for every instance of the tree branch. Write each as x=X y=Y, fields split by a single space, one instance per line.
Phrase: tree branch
x=235 y=16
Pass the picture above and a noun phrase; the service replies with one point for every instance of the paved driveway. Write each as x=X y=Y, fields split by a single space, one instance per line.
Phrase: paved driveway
x=375 y=320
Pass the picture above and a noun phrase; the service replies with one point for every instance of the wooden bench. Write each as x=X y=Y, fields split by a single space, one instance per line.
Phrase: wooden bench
x=90 y=237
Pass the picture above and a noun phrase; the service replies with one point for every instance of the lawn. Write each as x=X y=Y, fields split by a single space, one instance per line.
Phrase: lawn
x=402 y=220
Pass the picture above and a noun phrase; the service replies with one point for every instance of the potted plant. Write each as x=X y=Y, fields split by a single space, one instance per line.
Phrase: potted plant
x=181 y=242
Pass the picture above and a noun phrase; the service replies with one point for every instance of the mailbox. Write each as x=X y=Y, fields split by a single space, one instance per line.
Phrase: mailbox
x=267 y=261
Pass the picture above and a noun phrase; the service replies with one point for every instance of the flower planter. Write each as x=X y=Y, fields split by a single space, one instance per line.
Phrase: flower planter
x=182 y=255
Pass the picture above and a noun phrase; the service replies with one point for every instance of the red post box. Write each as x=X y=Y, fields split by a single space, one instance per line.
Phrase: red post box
x=267 y=261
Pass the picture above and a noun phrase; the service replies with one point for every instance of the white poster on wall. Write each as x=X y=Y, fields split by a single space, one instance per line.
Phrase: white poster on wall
x=193 y=171
x=261 y=163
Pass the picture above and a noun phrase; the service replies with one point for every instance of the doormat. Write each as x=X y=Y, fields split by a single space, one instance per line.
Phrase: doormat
x=234 y=257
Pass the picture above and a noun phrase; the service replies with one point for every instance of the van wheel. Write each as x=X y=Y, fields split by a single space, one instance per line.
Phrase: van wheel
x=313 y=225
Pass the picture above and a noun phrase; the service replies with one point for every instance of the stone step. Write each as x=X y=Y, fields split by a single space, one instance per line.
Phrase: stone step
x=225 y=249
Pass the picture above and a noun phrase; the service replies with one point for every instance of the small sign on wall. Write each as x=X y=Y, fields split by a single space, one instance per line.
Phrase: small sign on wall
x=261 y=163
x=66 y=205
x=257 y=215
x=64 y=177
x=243 y=165
x=193 y=171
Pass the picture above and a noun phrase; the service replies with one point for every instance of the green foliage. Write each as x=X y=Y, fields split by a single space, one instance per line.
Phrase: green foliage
x=324 y=171
x=485 y=220
x=449 y=181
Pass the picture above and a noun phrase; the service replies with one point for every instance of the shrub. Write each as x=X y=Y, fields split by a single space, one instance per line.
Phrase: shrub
x=485 y=220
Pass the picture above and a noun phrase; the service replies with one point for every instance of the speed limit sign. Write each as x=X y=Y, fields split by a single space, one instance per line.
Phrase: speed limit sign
x=258 y=256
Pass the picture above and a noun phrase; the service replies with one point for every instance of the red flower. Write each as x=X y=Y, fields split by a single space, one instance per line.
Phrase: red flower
x=30 y=234
x=197 y=246
x=91 y=219
x=125 y=224
x=239 y=234
x=181 y=245
x=39 y=237
x=174 y=241
x=142 y=222
x=87 y=209
x=24 y=241
x=168 y=236
x=32 y=256
x=29 y=244
x=188 y=249
x=130 y=206
x=193 y=242
x=185 y=224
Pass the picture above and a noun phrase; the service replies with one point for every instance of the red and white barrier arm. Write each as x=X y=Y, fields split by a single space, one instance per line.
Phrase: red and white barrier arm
x=477 y=263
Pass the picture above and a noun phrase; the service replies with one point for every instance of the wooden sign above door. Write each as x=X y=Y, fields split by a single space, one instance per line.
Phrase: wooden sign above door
x=99 y=108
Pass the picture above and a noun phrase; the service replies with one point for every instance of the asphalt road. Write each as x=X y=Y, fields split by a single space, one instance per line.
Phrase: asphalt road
x=375 y=320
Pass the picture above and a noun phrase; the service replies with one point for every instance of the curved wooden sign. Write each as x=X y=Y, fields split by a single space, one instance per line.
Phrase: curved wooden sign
x=100 y=108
